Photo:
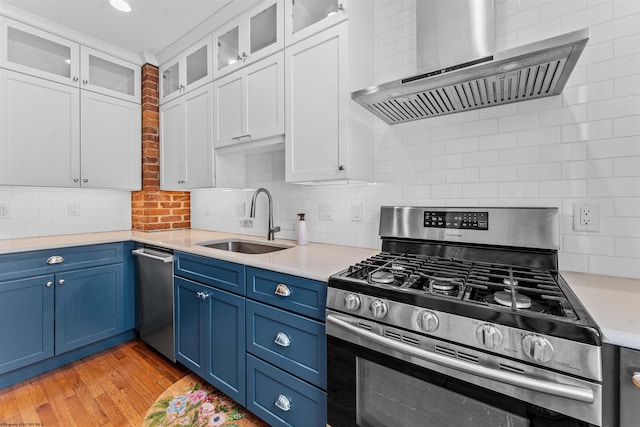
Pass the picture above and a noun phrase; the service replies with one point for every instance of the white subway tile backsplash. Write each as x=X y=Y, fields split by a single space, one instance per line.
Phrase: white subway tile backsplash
x=587 y=169
x=601 y=129
x=615 y=147
x=518 y=122
x=514 y=190
x=540 y=171
x=588 y=93
x=481 y=127
x=626 y=126
x=556 y=9
x=627 y=247
x=542 y=136
x=626 y=7
x=570 y=188
x=498 y=141
x=628 y=166
x=518 y=156
x=615 y=187
x=589 y=244
x=618 y=67
x=498 y=174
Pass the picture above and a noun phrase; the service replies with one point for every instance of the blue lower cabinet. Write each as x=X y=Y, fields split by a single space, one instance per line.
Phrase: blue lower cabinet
x=26 y=322
x=89 y=306
x=282 y=399
x=289 y=341
x=209 y=328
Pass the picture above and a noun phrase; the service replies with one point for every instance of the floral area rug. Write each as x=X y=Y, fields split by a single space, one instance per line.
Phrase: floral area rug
x=192 y=402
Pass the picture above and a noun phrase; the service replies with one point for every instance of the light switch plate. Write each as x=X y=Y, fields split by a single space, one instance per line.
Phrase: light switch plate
x=73 y=209
x=356 y=212
x=240 y=209
x=4 y=210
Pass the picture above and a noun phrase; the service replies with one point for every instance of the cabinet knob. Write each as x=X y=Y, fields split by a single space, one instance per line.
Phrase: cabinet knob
x=61 y=282
x=244 y=56
x=56 y=259
x=76 y=179
x=202 y=295
x=282 y=290
x=283 y=403
x=341 y=167
x=75 y=79
x=85 y=180
x=49 y=284
x=635 y=379
x=85 y=81
x=282 y=339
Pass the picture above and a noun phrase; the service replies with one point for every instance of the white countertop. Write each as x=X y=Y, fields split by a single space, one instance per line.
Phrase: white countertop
x=613 y=302
x=314 y=261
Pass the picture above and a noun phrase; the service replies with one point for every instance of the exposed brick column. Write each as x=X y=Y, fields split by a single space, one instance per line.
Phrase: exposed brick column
x=151 y=208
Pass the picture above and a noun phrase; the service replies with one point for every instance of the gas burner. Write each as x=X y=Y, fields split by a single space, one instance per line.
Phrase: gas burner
x=510 y=281
x=523 y=302
x=506 y=298
x=445 y=285
x=382 y=276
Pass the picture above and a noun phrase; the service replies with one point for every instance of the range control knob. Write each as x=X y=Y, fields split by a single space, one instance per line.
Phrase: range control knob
x=427 y=321
x=489 y=336
x=537 y=348
x=352 y=302
x=378 y=309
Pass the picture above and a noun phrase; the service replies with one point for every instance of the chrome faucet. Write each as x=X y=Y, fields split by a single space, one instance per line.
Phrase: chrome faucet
x=252 y=214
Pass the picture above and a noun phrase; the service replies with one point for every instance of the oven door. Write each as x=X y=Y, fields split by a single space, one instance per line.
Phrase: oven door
x=380 y=376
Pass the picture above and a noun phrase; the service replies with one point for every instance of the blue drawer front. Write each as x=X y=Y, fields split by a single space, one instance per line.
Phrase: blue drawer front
x=305 y=356
x=221 y=274
x=35 y=263
x=307 y=297
x=265 y=385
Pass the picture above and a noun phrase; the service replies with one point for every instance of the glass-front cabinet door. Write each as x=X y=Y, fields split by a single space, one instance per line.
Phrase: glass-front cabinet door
x=188 y=71
x=257 y=34
x=304 y=18
x=31 y=51
x=108 y=75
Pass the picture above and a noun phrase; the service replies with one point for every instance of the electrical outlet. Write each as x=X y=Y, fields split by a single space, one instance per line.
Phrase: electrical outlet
x=4 y=210
x=73 y=209
x=240 y=209
x=324 y=210
x=586 y=217
x=356 y=212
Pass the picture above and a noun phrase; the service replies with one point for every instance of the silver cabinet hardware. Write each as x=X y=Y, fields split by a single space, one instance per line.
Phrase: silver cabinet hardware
x=237 y=138
x=282 y=290
x=56 y=259
x=635 y=379
x=61 y=282
x=283 y=403
x=341 y=167
x=202 y=295
x=85 y=180
x=76 y=179
x=75 y=79
x=282 y=340
x=85 y=81
x=49 y=284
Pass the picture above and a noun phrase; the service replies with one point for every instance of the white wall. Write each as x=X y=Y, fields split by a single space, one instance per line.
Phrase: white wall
x=581 y=146
x=35 y=212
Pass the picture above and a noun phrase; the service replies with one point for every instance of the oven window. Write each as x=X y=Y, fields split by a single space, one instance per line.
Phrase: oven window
x=387 y=397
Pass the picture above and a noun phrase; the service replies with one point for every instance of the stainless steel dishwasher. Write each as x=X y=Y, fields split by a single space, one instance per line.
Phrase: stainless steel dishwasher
x=155 y=299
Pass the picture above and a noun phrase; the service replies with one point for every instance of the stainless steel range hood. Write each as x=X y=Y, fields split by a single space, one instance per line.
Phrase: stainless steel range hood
x=457 y=70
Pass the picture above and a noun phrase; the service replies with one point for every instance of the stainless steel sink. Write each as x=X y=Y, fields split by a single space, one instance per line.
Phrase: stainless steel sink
x=244 y=246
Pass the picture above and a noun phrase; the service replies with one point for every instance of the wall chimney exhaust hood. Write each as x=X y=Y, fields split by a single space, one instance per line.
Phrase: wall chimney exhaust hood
x=459 y=71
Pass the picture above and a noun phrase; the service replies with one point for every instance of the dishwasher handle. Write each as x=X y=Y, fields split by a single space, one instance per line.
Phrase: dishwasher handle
x=148 y=254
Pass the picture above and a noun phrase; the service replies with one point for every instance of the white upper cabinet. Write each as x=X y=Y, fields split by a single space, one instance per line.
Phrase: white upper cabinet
x=188 y=71
x=256 y=34
x=249 y=105
x=68 y=138
x=39 y=141
x=110 y=151
x=38 y=53
x=186 y=142
x=304 y=18
x=108 y=75
x=328 y=137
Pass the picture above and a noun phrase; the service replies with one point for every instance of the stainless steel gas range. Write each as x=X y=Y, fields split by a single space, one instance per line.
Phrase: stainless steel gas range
x=462 y=320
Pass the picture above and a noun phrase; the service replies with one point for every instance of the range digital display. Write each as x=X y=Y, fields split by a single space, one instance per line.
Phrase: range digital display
x=457 y=220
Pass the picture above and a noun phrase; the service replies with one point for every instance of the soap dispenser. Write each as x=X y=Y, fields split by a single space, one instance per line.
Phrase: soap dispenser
x=302 y=230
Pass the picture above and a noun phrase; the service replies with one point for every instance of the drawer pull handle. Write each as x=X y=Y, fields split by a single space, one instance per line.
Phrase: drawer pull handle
x=61 y=282
x=283 y=403
x=202 y=295
x=283 y=290
x=56 y=259
x=283 y=339
x=635 y=379
x=49 y=284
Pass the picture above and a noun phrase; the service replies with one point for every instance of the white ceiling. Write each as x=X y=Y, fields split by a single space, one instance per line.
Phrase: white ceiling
x=150 y=27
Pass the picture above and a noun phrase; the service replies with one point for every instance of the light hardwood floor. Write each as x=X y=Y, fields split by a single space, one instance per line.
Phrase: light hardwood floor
x=112 y=388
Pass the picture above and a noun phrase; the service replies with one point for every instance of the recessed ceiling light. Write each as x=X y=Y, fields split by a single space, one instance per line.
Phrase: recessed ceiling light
x=120 y=5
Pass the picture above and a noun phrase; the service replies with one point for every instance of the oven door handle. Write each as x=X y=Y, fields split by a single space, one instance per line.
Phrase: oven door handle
x=581 y=394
